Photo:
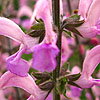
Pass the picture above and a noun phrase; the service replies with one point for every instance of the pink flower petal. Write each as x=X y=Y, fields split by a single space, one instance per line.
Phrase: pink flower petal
x=17 y=65
x=94 y=13
x=9 y=79
x=88 y=28
x=91 y=61
x=83 y=7
x=44 y=57
x=10 y=29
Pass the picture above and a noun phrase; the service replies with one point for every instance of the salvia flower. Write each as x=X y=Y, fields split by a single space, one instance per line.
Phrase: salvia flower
x=89 y=11
x=44 y=57
x=27 y=83
x=91 y=61
x=15 y=63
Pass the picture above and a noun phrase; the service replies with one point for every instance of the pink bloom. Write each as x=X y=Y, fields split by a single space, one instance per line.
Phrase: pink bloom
x=89 y=10
x=47 y=49
x=92 y=59
x=10 y=29
x=9 y=79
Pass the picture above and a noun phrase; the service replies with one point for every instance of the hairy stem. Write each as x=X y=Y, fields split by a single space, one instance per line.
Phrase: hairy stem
x=56 y=22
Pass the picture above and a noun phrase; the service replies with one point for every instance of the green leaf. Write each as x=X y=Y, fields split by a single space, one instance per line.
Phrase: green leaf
x=75 y=17
x=64 y=68
x=73 y=29
x=23 y=29
x=71 y=19
x=48 y=85
x=27 y=56
x=61 y=85
x=74 y=84
x=38 y=26
x=41 y=38
x=69 y=33
x=75 y=23
x=65 y=95
x=43 y=76
x=74 y=77
x=36 y=33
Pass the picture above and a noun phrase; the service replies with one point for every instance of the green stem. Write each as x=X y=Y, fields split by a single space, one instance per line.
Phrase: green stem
x=56 y=21
x=69 y=6
x=90 y=90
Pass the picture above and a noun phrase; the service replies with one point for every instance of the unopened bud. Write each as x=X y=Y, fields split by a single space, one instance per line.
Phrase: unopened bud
x=94 y=41
x=81 y=49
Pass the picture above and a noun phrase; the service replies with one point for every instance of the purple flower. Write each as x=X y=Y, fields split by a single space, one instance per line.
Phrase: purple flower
x=44 y=57
x=92 y=59
x=89 y=11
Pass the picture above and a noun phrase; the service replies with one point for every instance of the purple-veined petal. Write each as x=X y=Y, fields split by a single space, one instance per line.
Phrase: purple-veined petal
x=17 y=65
x=9 y=79
x=44 y=57
x=83 y=7
x=10 y=29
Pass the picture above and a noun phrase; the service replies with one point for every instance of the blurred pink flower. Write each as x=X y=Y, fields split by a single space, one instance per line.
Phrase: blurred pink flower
x=66 y=51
